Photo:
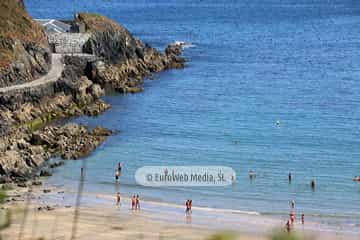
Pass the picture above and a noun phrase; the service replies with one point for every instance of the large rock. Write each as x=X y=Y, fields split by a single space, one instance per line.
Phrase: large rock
x=125 y=60
x=96 y=91
x=24 y=151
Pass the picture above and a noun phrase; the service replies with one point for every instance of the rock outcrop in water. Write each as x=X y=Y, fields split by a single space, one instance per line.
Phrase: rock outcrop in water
x=125 y=59
x=121 y=62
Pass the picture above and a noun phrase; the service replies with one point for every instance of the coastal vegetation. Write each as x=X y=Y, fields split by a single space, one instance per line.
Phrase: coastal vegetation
x=24 y=53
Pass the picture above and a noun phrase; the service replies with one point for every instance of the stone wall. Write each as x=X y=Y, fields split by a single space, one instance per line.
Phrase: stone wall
x=68 y=42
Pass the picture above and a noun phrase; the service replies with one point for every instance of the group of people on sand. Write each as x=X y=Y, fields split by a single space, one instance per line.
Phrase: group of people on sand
x=135 y=201
x=291 y=221
x=188 y=205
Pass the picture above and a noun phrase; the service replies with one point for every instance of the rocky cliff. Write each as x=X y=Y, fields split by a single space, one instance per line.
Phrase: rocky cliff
x=24 y=51
x=121 y=63
x=125 y=59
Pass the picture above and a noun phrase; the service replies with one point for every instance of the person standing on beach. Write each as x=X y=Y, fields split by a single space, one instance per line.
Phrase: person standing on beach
x=187 y=209
x=137 y=202
x=292 y=218
x=288 y=226
x=133 y=202
x=190 y=205
x=302 y=219
x=118 y=198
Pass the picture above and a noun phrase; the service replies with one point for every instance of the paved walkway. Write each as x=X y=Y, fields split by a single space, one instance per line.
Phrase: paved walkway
x=53 y=75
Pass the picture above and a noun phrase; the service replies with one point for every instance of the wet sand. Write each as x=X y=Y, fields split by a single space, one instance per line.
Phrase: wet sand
x=100 y=218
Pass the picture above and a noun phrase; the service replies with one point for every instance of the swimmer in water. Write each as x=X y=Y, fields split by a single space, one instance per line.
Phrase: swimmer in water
x=312 y=184
x=278 y=123
x=290 y=177
x=292 y=204
x=233 y=179
x=119 y=167
x=117 y=175
x=252 y=174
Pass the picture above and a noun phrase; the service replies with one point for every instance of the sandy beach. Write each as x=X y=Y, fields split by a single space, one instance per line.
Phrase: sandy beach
x=51 y=215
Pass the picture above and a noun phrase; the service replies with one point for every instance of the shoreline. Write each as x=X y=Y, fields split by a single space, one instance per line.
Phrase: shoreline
x=205 y=220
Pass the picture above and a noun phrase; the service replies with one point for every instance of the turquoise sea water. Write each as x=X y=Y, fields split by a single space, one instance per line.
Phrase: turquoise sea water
x=252 y=63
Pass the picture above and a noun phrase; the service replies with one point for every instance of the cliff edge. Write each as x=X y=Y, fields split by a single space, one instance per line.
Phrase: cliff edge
x=24 y=50
x=125 y=59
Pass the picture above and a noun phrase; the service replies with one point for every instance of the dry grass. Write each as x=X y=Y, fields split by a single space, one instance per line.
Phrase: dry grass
x=98 y=23
x=16 y=25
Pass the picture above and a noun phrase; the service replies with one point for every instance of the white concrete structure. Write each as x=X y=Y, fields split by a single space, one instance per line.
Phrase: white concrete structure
x=54 y=26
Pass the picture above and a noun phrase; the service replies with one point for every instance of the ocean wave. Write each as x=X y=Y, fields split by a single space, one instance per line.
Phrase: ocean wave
x=318 y=215
x=223 y=210
x=184 y=44
x=201 y=209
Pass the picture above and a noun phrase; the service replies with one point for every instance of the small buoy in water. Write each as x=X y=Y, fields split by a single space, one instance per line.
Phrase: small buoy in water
x=278 y=123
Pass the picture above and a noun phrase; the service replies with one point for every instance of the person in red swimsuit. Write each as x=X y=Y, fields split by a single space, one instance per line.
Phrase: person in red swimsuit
x=137 y=202
x=292 y=218
x=133 y=202
x=190 y=205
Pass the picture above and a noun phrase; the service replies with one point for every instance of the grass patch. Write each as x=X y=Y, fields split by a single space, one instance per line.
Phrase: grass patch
x=6 y=187
x=223 y=236
x=283 y=235
x=39 y=122
x=16 y=24
x=96 y=23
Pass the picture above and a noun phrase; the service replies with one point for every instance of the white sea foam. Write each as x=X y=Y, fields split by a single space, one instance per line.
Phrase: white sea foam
x=184 y=44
